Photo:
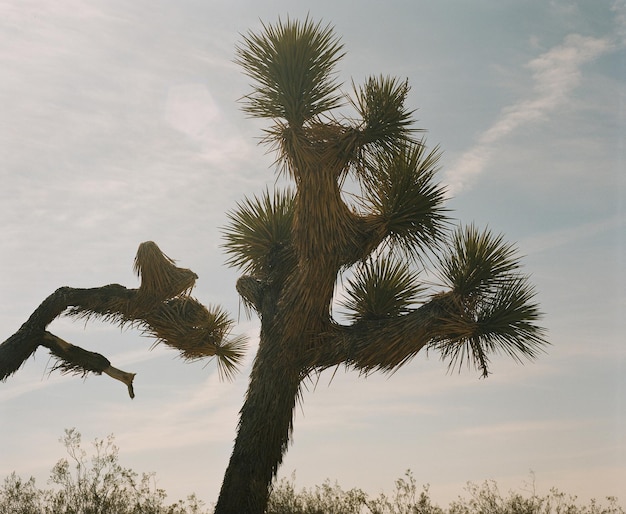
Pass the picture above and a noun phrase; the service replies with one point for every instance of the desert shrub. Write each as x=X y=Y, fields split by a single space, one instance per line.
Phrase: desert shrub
x=327 y=498
x=21 y=497
x=486 y=498
x=95 y=484
x=406 y=498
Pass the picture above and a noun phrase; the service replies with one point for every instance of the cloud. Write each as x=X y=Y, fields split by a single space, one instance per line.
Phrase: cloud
x=568 y=236
x=619 y=8
x=190 y=108
x=517 y=427
x=26 y=386
x=555 y=74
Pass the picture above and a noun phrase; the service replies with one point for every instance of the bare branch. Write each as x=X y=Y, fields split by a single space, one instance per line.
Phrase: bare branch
x=122 y=376
x=73 y=359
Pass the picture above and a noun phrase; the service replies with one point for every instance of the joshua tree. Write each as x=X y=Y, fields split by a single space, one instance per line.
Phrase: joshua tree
x=293 y=245
x=414 y=281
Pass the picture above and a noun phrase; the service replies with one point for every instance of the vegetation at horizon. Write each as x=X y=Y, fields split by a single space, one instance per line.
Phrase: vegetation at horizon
x=96 y=483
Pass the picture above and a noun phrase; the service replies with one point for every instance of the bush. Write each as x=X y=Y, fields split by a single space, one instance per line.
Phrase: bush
x=21 y=497
x=486 y=498
x=325 y=499
x=95 y=485
x=405 y=499
x=100 y=485
x=483 y=499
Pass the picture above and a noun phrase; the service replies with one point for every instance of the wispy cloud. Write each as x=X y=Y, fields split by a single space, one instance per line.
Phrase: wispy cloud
x=567 y=236
x=512 y=428
x=555 y=74
x=19 y=388
x=619 y=8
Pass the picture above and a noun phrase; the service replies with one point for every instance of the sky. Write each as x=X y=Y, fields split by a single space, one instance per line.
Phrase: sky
x=121 y=124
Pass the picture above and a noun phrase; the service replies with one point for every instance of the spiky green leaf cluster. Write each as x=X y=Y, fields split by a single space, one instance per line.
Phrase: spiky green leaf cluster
x=380 y=103
x=491 y=304
x=292 y=65
x=400 y=188
x=478 y=262
x=197 y=332
x=381 y=289
x=258 y=235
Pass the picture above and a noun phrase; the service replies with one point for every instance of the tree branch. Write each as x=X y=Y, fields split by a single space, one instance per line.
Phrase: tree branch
x=75 y=359
x=380 y=344
x=112 y=301
x=161 y=307
x=251 y=290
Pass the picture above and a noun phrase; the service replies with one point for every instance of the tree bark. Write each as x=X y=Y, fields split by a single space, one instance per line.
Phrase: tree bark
x=265 y=425
x=291 y=314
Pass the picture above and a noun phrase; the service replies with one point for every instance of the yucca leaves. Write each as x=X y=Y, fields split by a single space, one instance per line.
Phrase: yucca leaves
x=488 y=308
x=381 y=289
x=477 y=261
x=491 y=307
x=386 y=122
x=258 y=235
x=197 y=332
x=509 y=319
x=163 y=309
x=401 y=190
x=292 y=65
x=160 y=277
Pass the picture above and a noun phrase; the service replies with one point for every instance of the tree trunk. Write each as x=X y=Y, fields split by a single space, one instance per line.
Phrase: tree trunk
x=265 y=424
x=292 y=318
